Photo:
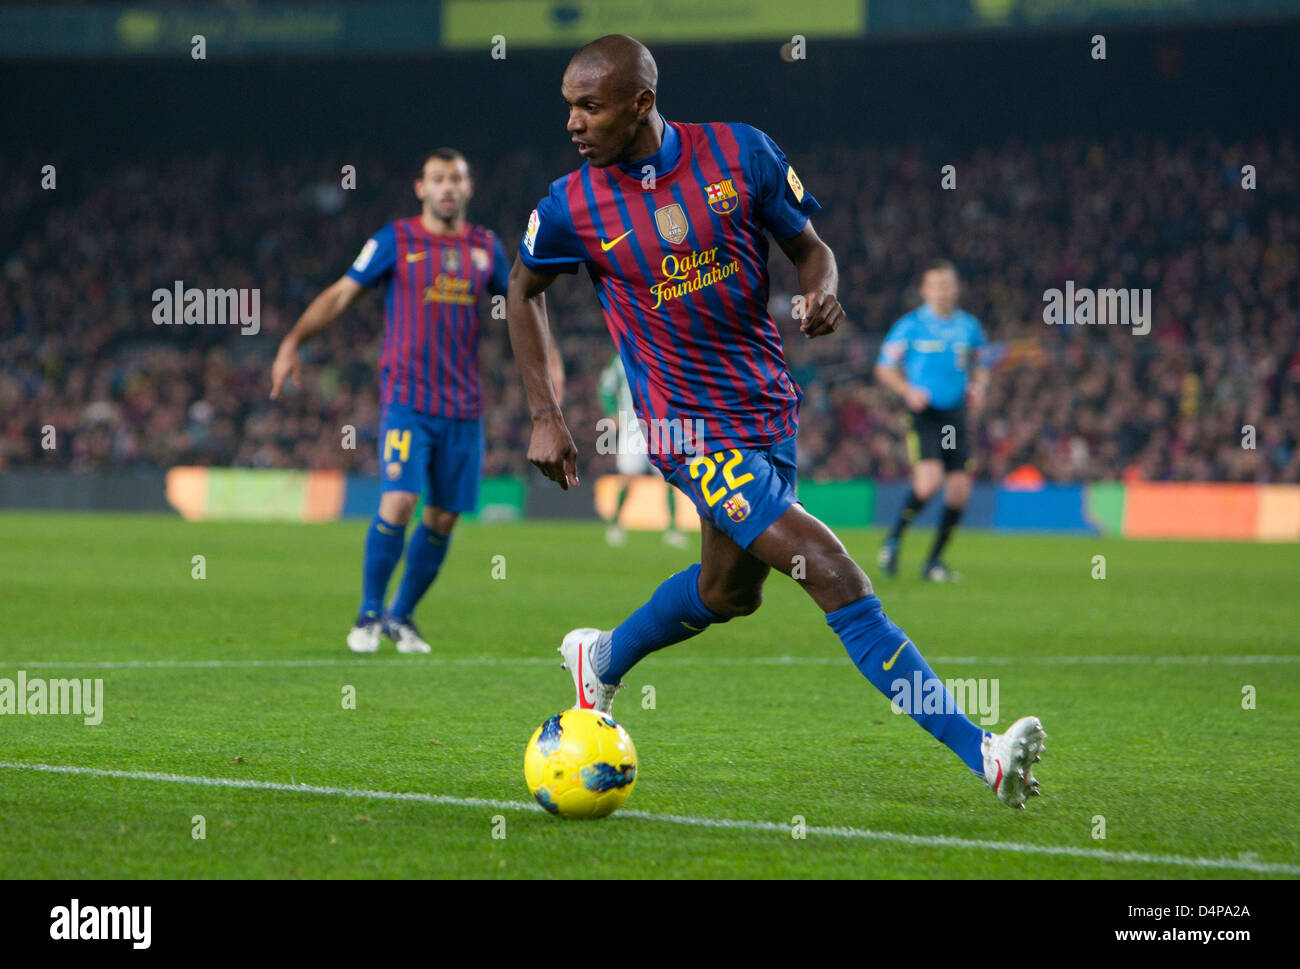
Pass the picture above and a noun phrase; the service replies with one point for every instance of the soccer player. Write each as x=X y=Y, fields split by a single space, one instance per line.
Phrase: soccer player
x=670 y=221
x=925 y=359
x=434 y=267
x=633 y=457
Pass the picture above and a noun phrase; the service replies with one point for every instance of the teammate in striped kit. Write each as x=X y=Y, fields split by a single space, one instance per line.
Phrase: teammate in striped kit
x=435 y=267
x=670 y=221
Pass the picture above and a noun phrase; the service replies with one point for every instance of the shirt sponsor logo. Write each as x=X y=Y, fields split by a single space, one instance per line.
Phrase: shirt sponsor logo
x=449 y=289
x=690 y=273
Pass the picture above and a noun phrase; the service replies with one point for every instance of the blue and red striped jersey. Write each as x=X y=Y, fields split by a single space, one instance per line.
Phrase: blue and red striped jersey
x=429 y=359
x=675 y=245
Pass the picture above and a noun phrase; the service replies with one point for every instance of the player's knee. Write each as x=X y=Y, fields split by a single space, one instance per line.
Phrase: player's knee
x=440 y=521
x=397 y=507
x=958 y=490
x=926 y=484
x=835 y=577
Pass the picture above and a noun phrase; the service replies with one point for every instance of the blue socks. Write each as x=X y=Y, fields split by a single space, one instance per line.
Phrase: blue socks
x=424 y=557
x=896 y=668
x=877 y=647
x=383 y=549
x=674 y=613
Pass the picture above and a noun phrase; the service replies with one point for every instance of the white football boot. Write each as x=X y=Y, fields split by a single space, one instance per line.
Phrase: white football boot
x=406 y=636
x=364 y=636
x=577 y=651
x=1008 y=758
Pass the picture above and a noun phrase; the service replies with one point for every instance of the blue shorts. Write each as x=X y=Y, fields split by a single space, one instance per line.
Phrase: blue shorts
x=741 y=491
x=439 y=457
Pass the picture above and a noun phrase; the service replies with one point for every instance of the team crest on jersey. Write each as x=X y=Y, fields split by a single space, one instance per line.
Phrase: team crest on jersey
x=736 y=507
x=671 y=222
x=479 y=257
x=451 y=259
x=723 y=197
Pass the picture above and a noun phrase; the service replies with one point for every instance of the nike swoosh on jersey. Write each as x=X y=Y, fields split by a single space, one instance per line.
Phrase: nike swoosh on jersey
x=606 y=246
x=415 y=256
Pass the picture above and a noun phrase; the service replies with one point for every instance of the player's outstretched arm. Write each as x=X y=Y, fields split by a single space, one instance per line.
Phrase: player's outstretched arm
x=551 y=449
x=819 y=279
x=324 y=310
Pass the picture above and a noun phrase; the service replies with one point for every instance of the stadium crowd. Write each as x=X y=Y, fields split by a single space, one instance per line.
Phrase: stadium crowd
x=1220 y=368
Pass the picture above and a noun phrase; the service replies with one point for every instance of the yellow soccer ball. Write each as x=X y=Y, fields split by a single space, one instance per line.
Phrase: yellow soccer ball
x=580 y=764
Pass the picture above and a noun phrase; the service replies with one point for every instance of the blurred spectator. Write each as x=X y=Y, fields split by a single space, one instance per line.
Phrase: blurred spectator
x=80 y=353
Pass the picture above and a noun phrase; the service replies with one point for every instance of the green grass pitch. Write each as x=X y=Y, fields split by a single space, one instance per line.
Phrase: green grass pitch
x=233 y=684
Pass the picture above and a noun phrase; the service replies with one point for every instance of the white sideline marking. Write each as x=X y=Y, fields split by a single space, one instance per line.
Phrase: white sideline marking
x=307 y=663
x=919 y=840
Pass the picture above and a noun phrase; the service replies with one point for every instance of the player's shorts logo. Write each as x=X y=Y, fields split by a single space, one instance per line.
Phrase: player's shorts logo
x=394 y=470
x=723 y=197
x=736 y=507
x=671 y=223
x=479 y=257
x=451 y=260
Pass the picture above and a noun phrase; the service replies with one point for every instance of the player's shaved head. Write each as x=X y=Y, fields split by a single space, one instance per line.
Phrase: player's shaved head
x=610 y=87
x=622 y=60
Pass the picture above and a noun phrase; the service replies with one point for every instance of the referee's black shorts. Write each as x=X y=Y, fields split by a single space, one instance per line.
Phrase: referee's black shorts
x=939 y=435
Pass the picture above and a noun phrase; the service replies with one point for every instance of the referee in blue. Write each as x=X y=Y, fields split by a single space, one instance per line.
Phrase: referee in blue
x=927 y=360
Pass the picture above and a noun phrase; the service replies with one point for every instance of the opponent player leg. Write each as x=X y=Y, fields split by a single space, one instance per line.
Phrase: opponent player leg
x=614 y=534
x=888 y=658
x=453 y=473
x=632 y=460
x=672 y=535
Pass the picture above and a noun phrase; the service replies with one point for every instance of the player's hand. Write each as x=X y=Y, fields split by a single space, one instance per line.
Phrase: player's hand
x=287 y=363
x=552 y=450
x=916 y=399
x=822 y=314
